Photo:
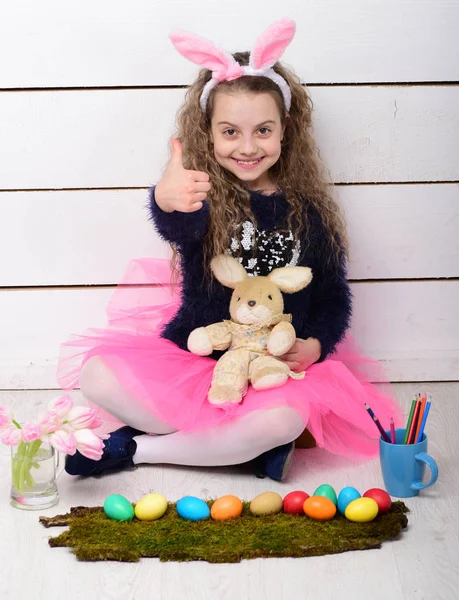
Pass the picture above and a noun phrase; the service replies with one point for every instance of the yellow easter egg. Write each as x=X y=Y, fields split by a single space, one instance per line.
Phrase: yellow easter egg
x=361 y=510
x=150 y=507
x=267 y=503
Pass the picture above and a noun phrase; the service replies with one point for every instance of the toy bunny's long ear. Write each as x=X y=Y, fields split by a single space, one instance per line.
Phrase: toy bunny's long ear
x=291 y=279
x=228 y=270
x=271 y=44
x=205 y=53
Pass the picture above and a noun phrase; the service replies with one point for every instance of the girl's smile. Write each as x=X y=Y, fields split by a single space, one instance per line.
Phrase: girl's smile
x=247 y=133
x=248 y=164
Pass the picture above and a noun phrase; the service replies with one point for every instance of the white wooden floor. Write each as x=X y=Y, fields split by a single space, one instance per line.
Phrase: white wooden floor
x=423 y=563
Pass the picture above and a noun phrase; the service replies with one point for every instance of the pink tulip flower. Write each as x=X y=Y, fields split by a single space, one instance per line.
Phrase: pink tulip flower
x=89 y=444
x=31 y=432
x=50 y=422
x=6 y=417
x=61 y=405
x=11 y=436
x=63 y=441
x=82 y=417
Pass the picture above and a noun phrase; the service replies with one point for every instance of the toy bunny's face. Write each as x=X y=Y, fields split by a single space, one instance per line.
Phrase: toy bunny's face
x=257 y=299
x=254 y=300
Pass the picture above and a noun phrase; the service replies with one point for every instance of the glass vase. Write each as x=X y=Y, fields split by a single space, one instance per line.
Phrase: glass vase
x=34 y=472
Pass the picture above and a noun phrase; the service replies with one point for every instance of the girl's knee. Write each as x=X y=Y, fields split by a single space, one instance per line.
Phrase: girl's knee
x=100 y=385
x=280 y=425
x=289 y=423
x=97 y=381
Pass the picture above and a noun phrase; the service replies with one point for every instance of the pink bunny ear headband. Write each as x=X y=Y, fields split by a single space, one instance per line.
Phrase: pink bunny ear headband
x=269 y=47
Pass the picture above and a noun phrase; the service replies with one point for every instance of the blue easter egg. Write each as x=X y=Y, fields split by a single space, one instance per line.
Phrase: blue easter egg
x=192 y=508
x=118 y=508
x=347 y=495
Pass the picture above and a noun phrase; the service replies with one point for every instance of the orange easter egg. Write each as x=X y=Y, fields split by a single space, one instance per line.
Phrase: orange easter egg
x=226 y=507
x=319 y=508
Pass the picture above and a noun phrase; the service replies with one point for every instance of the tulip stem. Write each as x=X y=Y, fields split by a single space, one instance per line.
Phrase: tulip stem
x=22 y=464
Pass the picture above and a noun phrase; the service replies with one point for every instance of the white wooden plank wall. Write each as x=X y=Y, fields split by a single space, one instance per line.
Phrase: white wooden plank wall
x=119 y=43
x=88 y=94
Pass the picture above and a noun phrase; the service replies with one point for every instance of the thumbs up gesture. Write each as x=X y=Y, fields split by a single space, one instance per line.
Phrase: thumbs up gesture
x=181 y=189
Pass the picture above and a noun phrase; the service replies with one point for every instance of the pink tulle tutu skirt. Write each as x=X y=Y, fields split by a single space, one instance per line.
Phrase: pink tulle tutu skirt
x=173 y=384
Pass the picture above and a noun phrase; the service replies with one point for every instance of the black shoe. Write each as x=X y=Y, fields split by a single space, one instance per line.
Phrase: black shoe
x=274 y=463
x=118 y=452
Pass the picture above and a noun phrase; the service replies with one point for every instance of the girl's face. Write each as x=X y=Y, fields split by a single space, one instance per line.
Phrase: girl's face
x=246 y=131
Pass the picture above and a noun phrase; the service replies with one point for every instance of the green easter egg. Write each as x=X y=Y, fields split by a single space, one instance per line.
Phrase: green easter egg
x=118 y=508
x=327 y=491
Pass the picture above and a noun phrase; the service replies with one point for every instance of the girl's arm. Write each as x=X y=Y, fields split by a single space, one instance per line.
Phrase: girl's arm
x=330 y=310
x=323 y=310
x=329 y=314
x=178 y=227
x=177 y=204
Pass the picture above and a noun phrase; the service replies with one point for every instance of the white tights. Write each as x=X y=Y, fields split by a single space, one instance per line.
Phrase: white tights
x=230 y=444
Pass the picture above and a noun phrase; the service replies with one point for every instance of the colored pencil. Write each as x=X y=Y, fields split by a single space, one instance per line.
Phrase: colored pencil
x=377 y=423
x=392 y=431
x=381 y=430
x=421 y=414
x=423 y=424
x=369 y=411
x=408 y=423
x=414 y=422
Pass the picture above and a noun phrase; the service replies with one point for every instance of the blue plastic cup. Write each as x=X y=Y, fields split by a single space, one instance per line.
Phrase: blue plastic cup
x=403 y=465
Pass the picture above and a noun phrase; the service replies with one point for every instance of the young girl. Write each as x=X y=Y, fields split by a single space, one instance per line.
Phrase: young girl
x=243 y=179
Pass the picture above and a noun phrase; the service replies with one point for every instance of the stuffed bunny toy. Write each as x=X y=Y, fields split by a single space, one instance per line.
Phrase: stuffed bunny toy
x=257 y=332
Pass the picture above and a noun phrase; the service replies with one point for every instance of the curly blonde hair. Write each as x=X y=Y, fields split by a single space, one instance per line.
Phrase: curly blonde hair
x=297 y=172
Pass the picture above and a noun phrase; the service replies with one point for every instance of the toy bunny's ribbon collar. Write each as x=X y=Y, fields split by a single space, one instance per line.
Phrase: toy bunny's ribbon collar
x=268 y=48
x=274 y=320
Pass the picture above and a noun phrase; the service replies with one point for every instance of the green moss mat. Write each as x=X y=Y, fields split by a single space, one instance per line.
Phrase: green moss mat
x=95 y=537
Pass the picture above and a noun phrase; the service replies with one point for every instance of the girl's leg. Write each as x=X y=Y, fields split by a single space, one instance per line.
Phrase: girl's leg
x=231 y=444
x=100 y=385
x=234 y=443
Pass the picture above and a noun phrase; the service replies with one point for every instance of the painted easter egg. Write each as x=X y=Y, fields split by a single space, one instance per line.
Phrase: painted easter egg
x=319 y=508
x=293 y=502
x=326 y=491
x=226 y=507
x=118 y=508
x=267 y=503
x=151 y=507
x=345 y=497
x=192 y=508
x=361 y=510
x=381 y=497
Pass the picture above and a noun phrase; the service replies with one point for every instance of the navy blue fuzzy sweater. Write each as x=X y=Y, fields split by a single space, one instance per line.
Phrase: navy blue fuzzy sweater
x=322 y=310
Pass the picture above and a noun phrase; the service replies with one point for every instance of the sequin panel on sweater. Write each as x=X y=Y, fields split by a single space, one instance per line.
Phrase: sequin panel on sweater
x=261 y=251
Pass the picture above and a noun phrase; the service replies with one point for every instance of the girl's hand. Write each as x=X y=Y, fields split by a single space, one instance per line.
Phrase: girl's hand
x=179 y=188
x=302 y=354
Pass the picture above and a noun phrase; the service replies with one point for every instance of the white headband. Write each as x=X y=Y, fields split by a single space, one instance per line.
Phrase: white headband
x=268 y=48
